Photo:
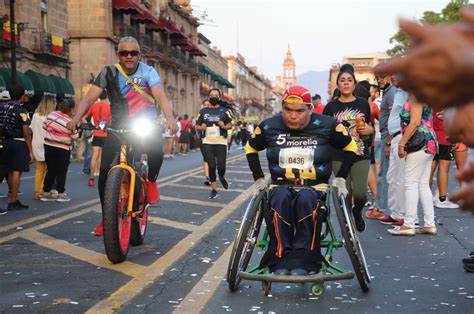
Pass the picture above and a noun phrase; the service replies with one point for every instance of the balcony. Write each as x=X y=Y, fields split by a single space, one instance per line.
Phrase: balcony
x=174 y=53
x=46 y=46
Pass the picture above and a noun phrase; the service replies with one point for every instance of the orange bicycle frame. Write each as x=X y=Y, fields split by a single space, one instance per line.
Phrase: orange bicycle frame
x=124 y=165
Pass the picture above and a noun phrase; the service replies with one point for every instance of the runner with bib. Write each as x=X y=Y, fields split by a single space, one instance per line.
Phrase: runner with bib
x=214 y=121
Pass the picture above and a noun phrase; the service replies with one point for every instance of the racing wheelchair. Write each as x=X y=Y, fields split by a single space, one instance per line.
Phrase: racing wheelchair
x=250 y=236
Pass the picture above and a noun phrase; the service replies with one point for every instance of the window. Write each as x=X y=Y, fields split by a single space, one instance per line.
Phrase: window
x=44 y=15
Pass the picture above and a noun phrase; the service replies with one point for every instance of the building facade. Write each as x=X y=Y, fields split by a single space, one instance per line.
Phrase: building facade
x=214 y=70
x=253 y=91
x=363 y=65
x=166 y=31
x=42 y=52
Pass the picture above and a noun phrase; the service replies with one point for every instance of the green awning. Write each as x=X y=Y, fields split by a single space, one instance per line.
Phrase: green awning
x=42 y=84
x=3 y=86
x=63 y=87
x=216 y=77
x=22 y=79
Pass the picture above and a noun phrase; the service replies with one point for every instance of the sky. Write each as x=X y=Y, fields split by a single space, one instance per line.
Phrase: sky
x=319 y=32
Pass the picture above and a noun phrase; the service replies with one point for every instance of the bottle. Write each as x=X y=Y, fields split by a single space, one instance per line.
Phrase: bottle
x=360 y=122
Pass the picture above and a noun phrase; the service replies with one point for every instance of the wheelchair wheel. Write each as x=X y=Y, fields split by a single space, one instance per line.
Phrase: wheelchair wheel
x=246 y=239
x=351 y=241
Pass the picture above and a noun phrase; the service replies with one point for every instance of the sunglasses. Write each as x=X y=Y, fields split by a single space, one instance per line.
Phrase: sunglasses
x=125 y=53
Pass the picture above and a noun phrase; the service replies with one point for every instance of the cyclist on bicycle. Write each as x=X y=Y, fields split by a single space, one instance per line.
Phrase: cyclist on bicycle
x=134 y=91
x=299 y=147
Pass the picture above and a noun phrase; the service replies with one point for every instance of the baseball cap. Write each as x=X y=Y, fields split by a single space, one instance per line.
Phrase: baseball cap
x=297 y=95
x=5 y=95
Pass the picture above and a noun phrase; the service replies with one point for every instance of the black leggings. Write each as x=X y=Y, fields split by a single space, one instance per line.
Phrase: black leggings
x=153 y=147
x=213 y=153
x=57 y=163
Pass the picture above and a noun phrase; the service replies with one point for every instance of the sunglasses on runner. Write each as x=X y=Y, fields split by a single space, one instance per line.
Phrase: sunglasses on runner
x=125 y=53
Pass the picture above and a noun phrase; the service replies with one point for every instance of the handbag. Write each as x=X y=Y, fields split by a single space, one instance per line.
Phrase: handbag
x=416 y=142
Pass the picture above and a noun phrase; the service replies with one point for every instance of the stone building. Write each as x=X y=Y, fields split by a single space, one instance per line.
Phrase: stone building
x=166 y=31
x=253 y=91
x=214 y=70
x=363 y=65
x=42 y=54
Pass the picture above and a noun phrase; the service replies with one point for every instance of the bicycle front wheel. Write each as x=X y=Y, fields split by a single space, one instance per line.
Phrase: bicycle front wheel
x=139 y=223
x=117 y=220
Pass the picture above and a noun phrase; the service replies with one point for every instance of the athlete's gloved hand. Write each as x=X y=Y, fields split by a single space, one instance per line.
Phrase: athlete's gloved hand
x=340 y=185
x=260 y=184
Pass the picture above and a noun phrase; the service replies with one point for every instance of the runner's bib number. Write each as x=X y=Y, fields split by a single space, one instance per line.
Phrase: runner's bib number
x=296 y=158
x=213 y=132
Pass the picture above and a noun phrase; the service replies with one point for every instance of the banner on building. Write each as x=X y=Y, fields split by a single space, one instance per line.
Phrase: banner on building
x=6 y=34
x=57 y=44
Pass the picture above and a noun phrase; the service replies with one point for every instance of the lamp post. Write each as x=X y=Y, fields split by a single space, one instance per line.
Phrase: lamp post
x=13 y=41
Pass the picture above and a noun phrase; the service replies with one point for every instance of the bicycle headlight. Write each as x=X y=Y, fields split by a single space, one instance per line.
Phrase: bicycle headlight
x=142 y=127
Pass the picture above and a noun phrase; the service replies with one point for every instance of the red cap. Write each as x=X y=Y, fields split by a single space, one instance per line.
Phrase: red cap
x=297 y=95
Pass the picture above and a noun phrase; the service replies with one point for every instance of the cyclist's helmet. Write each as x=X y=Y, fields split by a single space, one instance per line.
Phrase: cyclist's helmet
x=297 y=95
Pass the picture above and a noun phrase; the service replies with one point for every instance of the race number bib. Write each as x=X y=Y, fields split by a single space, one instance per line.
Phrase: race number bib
x=297 y=158
x=213 y=132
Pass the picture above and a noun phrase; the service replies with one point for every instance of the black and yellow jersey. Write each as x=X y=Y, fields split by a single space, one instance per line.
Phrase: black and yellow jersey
x=213 y=134
x=303 y=157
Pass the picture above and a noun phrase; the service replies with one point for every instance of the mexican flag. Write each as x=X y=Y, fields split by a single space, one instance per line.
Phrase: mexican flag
x=57 y=44
x=6 y=35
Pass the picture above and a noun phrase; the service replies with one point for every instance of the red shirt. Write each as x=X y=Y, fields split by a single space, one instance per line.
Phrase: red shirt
x=318 y=109
x=438 y=126
x=185 y=126
x=100 y=111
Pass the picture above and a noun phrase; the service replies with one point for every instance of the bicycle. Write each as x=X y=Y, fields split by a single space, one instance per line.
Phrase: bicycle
x=125 y=215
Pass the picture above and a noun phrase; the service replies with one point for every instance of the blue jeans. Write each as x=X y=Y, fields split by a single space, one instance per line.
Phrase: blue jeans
x=87 y=156
x=381 y=201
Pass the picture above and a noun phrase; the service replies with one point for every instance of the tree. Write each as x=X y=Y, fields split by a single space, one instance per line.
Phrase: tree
x=450 y=14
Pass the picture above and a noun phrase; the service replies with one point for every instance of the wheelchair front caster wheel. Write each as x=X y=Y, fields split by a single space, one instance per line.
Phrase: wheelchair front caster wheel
x=317 y=289
x=266 y=286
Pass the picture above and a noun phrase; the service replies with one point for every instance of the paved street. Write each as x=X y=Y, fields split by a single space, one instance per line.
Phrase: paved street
x=50 y=261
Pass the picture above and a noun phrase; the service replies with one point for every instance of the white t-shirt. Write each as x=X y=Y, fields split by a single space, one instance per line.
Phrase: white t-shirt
x=38 y=136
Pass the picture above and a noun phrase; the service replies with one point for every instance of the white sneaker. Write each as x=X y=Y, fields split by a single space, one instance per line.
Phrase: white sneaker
x=446 y=204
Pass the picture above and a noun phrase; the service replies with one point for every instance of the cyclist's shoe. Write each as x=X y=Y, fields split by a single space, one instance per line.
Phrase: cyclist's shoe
x=224 y=183
x=152 y=192
x=213 y=194
x=359 y=220
x=90 y=182
x=99 y=230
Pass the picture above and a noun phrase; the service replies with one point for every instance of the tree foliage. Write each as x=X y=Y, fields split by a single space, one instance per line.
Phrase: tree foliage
x=450 y=14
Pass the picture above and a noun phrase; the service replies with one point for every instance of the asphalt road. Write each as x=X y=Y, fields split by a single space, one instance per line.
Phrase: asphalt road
x=50 y=262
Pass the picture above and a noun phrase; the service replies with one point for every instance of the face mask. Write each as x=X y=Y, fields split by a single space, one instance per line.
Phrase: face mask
x=214 y=100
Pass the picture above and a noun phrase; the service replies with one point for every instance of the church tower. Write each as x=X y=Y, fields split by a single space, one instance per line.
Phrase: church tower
x=289 y=70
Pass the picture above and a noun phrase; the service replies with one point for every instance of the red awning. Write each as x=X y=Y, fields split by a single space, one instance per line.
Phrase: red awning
x=181 y=42
x=197 y=52
x=157 y=26
x=126 y=6
x=173 y=30
x=146 y=17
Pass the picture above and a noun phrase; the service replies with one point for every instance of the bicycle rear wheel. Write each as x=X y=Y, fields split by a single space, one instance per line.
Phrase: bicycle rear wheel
x=117 y=221
x=139 y=223
x=352 y=243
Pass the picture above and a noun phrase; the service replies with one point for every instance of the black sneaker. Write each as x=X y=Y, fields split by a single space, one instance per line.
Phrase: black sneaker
x=17 y=206
x=3 y=211
x=359 y=220
x=213 y=194
x=224 y=183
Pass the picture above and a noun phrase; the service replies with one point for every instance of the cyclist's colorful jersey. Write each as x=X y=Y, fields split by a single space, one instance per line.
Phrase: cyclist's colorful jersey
x=125 y=100
x=305 y=155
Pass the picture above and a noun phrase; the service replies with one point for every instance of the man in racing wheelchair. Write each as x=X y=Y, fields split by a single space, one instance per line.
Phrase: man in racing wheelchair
x=299 y=147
